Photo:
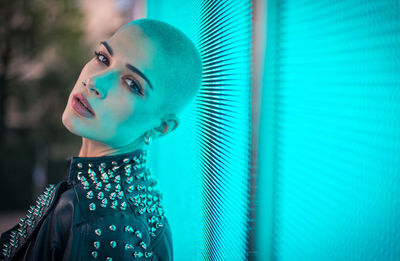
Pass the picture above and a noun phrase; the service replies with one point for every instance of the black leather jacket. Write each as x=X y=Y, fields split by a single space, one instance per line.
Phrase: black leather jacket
x=107 y=208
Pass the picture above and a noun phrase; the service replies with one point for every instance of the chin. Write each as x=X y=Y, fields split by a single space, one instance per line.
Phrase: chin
x=67 y=121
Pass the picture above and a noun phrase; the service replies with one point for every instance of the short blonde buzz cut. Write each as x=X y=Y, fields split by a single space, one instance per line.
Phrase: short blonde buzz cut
x=183 y=64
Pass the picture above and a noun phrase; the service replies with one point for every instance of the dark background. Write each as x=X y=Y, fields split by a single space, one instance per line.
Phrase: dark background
x=43 y=46
x=41 y=55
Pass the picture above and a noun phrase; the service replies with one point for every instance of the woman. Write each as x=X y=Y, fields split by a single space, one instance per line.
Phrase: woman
x=108 y=207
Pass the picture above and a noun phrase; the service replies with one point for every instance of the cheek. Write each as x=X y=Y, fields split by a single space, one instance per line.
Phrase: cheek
x=118 y=113
x=129 y=115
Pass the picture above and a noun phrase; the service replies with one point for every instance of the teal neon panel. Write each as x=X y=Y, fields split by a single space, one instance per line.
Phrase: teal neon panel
x=204 y=166
x=224 y=118
x=175 y=157
x=336 y=67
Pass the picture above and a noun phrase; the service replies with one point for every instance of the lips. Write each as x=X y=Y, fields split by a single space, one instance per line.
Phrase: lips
x=82 y=105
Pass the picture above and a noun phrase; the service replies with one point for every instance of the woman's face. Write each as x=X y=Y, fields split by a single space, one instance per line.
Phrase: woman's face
x=120 y=89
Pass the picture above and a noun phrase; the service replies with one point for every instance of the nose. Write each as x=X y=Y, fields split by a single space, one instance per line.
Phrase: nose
x=90 y=87
x=101 y=84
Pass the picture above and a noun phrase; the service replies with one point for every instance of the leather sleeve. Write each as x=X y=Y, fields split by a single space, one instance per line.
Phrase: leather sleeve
x=162 y=245
x=115 y=236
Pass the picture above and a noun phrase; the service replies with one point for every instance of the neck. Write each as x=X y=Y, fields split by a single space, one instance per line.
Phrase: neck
x=91 y=148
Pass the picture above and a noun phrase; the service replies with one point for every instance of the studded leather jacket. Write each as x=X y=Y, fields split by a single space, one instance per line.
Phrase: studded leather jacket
x=107 y=208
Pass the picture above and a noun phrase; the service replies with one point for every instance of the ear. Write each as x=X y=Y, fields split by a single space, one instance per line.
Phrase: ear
x=168 y=124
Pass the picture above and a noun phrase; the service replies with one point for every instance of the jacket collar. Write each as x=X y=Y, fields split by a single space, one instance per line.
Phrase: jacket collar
x=104 y=168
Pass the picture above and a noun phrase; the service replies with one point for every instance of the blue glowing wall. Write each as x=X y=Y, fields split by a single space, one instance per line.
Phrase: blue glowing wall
x=203 y=167
x=175 y=157
x=224 y=111
x=331 y=103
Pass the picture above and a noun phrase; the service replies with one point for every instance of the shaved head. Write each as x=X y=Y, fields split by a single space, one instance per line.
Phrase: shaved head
x=180 y=70
x=135 y=85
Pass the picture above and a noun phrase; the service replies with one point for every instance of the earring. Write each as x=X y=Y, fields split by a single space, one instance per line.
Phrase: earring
x=147 y=139
x=84 y=84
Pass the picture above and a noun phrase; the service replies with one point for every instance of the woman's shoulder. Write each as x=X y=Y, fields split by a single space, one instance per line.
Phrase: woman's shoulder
x=104 y=231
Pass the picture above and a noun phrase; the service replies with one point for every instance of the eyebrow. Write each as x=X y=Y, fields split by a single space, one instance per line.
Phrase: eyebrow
x=107 y=47
x=129 y=66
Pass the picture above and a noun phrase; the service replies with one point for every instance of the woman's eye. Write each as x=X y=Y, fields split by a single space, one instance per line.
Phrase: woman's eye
x=102 y=58
x=134 y=86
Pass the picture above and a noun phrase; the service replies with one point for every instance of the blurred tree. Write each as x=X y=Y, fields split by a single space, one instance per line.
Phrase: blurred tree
x=41 y=55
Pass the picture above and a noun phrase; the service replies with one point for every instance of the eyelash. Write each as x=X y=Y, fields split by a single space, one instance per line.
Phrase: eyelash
x=137 y=86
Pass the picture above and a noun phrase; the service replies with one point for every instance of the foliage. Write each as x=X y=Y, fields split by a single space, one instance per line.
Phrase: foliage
x=41 y=55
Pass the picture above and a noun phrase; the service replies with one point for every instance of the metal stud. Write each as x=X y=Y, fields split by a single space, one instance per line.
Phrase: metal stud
x=128 y=170
x=108 y=259
x=114 y=163
x=113 y=244
x=158 y=225
x=148 y=254
x=118 y=188
x=96 y=244
x=113 y=195
x=79 y=175
x=103 y=165
x=130 y=188
x=128 y=247
x=120 y=195
x=107 y=187
x=103 y=203
x=135 y=201
x=140 y=175
x=123 y=205
x=97 y=231
x=129 y=180
x=92 y=206
x=143 y=245
x=126 y=160
x=112 y=227
x=92 y=175
x=85 y=184
x=152 y=230
x=137 y=254
x=110 y=174
x=138 y=234
x=128 y=229
x=89 y=195
x=152 y=219
x=99 y=185
x=117 y=179
x=79 y=165
x=22 y=222
x=94 y=254
x=90 y=165
x=100 y=196
x=104 y=177
x=114 y=204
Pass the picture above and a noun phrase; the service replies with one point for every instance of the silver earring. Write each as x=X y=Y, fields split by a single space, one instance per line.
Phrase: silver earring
x=147 y=139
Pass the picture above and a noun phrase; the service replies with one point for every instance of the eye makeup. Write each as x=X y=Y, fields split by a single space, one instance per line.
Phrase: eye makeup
x=133 y=84
x=129 y=66
x=102 y=58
